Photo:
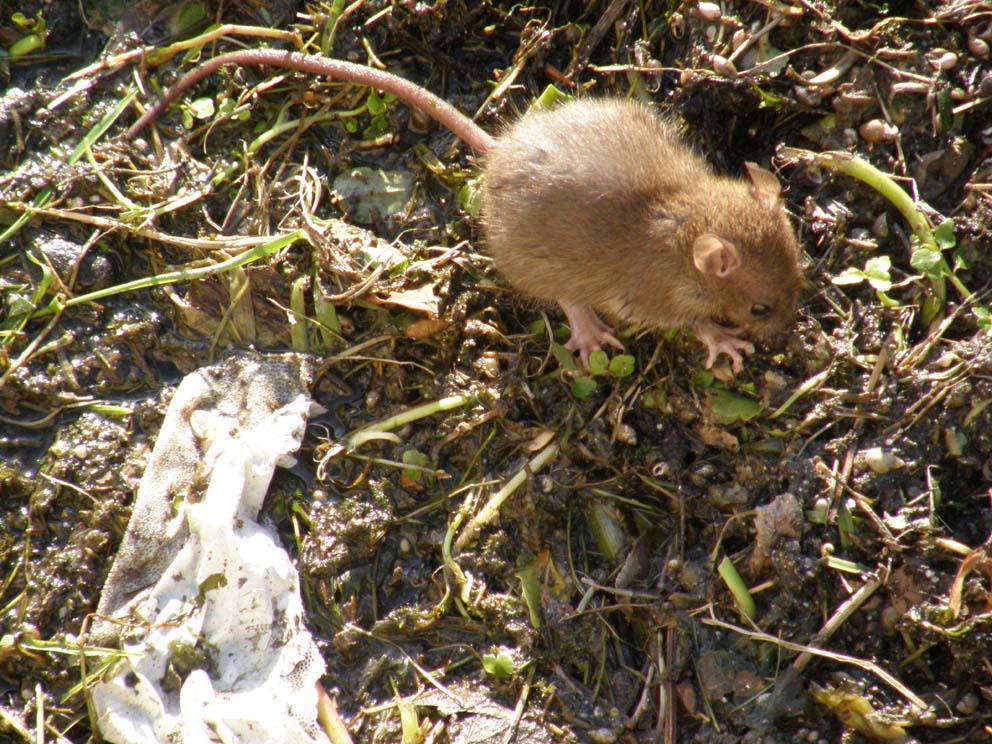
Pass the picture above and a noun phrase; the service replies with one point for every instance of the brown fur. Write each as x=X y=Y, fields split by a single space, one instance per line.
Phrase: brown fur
x=599 y=202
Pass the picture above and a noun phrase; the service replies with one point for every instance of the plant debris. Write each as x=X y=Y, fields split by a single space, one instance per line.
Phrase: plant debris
x=493 y=543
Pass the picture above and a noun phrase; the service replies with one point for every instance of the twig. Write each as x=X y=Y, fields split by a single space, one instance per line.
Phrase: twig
x=808 y=651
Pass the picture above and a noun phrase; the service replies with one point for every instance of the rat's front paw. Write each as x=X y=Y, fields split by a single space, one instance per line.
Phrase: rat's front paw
x=721 y=340
x=589 y=333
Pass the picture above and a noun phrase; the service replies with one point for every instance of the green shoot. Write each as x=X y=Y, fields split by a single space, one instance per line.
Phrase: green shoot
x=928 y=243
x=738 y=589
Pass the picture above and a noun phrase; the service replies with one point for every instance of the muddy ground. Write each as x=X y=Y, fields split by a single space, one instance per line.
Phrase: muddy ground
x=845 y=473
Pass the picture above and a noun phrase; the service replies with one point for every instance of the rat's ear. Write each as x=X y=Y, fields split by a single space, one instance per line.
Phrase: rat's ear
x=711 y=254
x=764 y=185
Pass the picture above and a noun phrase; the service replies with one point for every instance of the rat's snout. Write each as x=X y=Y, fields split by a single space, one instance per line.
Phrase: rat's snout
x=771 y=308
x=770 y=317
x=774 y=338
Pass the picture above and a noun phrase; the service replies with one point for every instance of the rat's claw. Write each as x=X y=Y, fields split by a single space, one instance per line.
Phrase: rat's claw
x=721 y=340
x=589 y=333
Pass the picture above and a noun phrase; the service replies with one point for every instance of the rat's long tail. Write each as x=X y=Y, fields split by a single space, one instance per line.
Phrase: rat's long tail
x=413 y=95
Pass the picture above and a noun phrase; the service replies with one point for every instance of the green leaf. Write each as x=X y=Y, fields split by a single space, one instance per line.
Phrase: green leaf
x=565 y=358
x=703 y=379
x=882 y=285
x=877 y=272
x=500 y=666
x=960 y=262
x=530 y=587
x=375 y=104
x=26 y=45
x=328 y=324
x=944 y=234
x=34 y=25
x=190 y=16
x=983 y=317
x=202 y=108
x=537 y=327
x=548 y=98
x=606 y=524
x=929 y=309
x=414 y=457
x=653 y=399
x=925 y=259
x=878 y=266
x=583 y=387
x=845 y=523
x=730 y=408
x=410 y=725
x=622 y=365
x=470 y=197
x=378 y=126
x=767 y=99
x=598 y=362
x=850 y=275
x=738 y=589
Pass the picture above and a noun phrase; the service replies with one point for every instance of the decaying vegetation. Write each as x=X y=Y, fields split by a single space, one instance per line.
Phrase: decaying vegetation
x=493 y=542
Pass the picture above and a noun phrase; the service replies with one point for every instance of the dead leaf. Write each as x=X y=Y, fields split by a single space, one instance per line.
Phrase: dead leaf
x=418 y=299
x=855 y=711
x=977 y=560
x=715 y=436
x=540 y=440
x=782 y=517
x=419 y=330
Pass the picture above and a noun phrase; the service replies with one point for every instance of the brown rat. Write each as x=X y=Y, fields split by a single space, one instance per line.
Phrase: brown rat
x=599 y=204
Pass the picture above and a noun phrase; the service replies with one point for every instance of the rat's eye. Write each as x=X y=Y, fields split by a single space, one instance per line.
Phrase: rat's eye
x=760 y=311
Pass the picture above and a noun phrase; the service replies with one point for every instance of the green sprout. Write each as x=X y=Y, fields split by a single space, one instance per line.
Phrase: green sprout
x=876 y=273
x=600 y=366
x=928 y=242
x=738 y=589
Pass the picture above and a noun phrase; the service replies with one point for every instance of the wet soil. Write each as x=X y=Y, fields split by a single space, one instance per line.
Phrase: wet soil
x=845 y=475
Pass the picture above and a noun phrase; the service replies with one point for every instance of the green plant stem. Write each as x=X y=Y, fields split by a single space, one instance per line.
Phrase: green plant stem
x=488 y=512
x=863 y=171
x=867 y=173
x=413 y=414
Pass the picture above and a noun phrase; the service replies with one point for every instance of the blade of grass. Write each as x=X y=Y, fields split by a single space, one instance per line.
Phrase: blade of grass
x=298 y=330
x=530 y=587
x=251 y=255
x=488 y=512
x=408 y=416
x=737 y=587
x=42 y=197
x=154 y=57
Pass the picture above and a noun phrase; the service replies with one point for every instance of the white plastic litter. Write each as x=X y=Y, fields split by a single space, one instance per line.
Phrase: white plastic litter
x=207 y=600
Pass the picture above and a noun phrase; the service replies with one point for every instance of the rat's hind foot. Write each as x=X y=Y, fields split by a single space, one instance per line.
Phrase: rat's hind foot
x=722 y=340
x=589 y=333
